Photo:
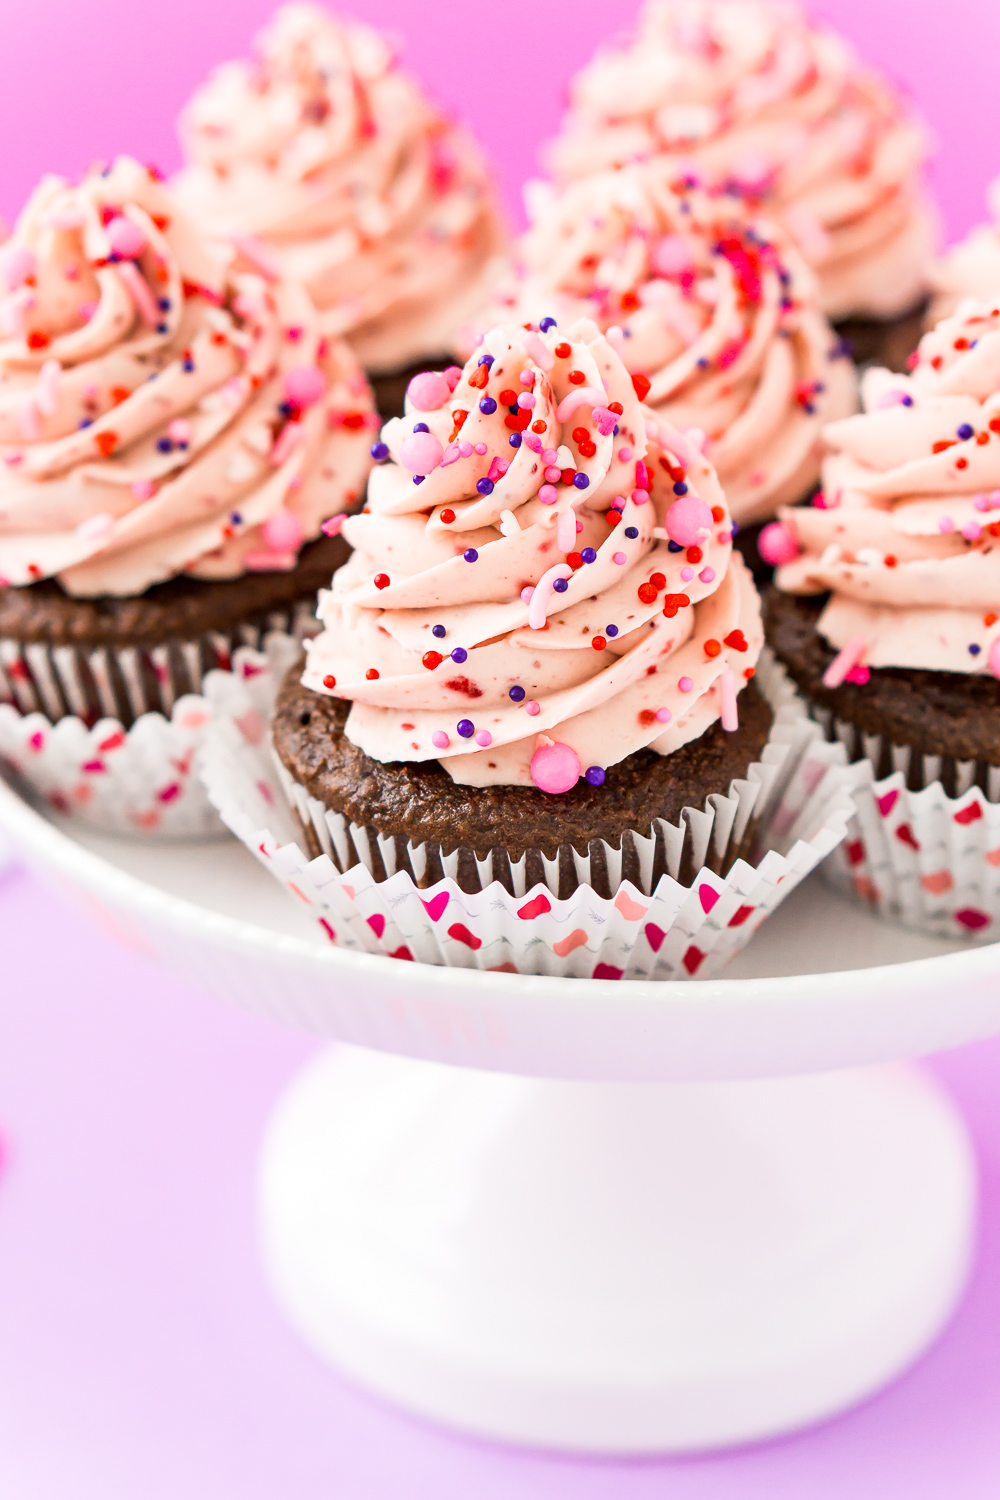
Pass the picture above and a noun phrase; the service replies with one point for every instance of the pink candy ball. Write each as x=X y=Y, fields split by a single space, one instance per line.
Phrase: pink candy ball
x=777 y=545
x=689 y=521
x=305 y=386
x=428 y=392
x=994 y=657
x=125 y=238
x=421 y=453
x=283 y=532
x=555 y=768
x=672 y=255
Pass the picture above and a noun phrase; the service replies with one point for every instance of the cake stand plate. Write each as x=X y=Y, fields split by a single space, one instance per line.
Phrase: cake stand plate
x=619 y=1218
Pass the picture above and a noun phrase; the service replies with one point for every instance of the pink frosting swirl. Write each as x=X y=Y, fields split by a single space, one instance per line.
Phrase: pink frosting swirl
x=160 y=413
x=971 y=268
x=703 y=300
x=337 y=167
x=906 y=540
x=782 y=111
x=524 y=587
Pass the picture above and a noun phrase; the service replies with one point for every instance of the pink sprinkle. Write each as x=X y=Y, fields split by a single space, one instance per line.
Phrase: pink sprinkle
x=283 y=532
x=548 y=494
x=533 y=346
x=844 y=661
x=981 y=502
x=480 y=448
x=945 y=525
x=663 y=715
x=125 y=237
x=143 y=489
x=972 y=531
x=566 y=531
x=465 y=449
x=440 y=740
x=526 y=401
x=531 y=441
x=890 y=398
x=428 y=392
x=583 y=395
x=639 y=497
x=687 y=574
x=532 y=708
x=498 y=469
x=538 y=603
x=549 y=456
x=555 y=768
x=707 y=575
x=994 y=657
x=619 y=558
x=333 y=526
x=453 y=375
x=138 y=289
x=625 y=454
x=605 y=420
x=688 y=521
x=48 y=387
x=287 y=442
x=527 y=592
x=95 y=528
x=777 y=545
x=305 y=385
x=685 y=684
x=484 y=738
x=179 y=430
x=729 y=717
x=552 y=473
x=527 y=377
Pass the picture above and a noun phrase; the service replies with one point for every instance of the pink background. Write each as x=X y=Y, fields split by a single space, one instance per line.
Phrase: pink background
x=140 y=1356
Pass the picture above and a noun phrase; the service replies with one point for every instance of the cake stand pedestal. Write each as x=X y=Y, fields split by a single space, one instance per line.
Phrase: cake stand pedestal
x=615 y=1268
x=615 y=1218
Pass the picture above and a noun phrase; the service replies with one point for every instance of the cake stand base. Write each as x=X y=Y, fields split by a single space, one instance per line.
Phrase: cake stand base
x=616 y=1268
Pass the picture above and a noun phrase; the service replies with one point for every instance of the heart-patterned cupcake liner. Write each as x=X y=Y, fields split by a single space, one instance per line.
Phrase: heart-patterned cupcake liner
x=366 y=892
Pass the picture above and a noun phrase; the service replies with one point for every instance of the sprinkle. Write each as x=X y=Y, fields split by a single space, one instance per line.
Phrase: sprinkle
x=974 y=650
x=537 y=606
x=459 y=655
x=685 y=684
x=138 y=290
x=516 y=694
x=777 y=545
x=945 y=525
x=595 y=775
x=334 y=525
x=554 y=767
x=663 y=716
x=619 y=558
x=844 y=661
x=440 y=740
x=515 y=440
x=509 y=524
x=381 y=580
x=471 y=555
x=688 y=521
x=972 y=531
x=687 y=574
x=487 y=406
x=143 y=489
x=588 y=555
x=994 y=658
x=532 y=708
x=548 y=494
x=431 y=660
x=372 y=674
x=484 y=738
x=440 y=631
x=965 y=432
x=466 y=728
x=631 y=532
x=446 y=517
x=538 y=351
x=706 y=575
x=485 y=487
x=566 y=531
x=584 y=395
x=581 y=481
x=480 y=448
x=611 y=630
x=598 y=642
x=527 y=592
x=329 y=681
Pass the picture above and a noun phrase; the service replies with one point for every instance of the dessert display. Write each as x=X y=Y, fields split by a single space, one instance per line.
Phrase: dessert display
x=886 y=617
x=713 y=313
x=330 y=164
x=759 y=99
x=176 y=431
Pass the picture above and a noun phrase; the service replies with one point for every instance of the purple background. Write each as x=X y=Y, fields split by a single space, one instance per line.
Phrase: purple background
x=140 y=1355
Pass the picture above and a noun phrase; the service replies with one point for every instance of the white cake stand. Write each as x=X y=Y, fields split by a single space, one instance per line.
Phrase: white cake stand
x=617 y=1218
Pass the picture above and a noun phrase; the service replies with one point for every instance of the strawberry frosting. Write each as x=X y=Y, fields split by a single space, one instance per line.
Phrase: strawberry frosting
x=542 y=566
x=972 y=267
x=161 y=412
x=705 y=301
x=907 y=538
x=333 y=164
x=782 y=111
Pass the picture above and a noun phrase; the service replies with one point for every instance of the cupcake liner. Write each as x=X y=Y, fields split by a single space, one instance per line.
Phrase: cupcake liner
x=923 y=846
x=110 y=735
x=794 y=803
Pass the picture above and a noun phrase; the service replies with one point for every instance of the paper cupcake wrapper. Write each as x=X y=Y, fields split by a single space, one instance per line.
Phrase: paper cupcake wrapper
x=112 y=760
x=798 y=795
x=920 y=857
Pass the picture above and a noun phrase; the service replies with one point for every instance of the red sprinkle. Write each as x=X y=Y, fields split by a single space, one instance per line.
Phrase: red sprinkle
x=712 y=648
x=447 y=516
x=658 y=581
x=598 y=643
x=641 y=384
x=432 y=659
x=576 y=377
x=381 y=580
x=563 y=351
x=329 y=681
x=371 y=674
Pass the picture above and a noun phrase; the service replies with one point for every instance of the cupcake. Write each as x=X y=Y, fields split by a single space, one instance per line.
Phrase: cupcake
x=971 y=268
x=329 y=162
x=781 y=111
x=715 y=317
x=886 y=617
x=175 y=433
x=542 y=640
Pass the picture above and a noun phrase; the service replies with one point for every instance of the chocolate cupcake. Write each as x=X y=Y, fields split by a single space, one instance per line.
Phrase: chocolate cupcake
x=176 y=433
x=886 y=618
x=542 y=642
x=779 y=109
x=331 y=164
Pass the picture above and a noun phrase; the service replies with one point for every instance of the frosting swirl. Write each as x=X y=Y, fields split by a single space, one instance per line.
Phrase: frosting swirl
x=160 y=413
x=905 y=540
x=541 y=561
x=703 y=300
x=971 y=268
x=781 y=111
x=334 y=165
